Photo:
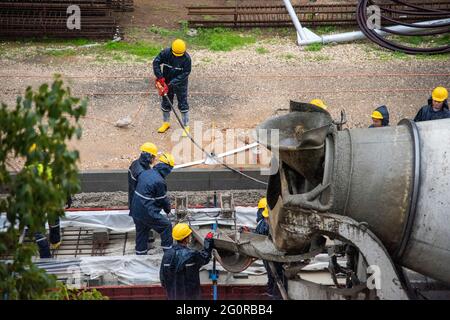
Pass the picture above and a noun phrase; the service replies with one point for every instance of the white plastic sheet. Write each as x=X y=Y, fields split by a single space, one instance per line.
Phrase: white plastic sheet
x=120 y=221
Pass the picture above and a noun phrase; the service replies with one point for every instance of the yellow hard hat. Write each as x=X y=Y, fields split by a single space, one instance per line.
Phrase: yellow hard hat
x=262 y=203
x=181 y=231
x=178 y=47
x=149 y=148
x=319 y=103
x=439 y=94
x=377 y=115
x=265 y=213
x=167 y=158
x=32 y=148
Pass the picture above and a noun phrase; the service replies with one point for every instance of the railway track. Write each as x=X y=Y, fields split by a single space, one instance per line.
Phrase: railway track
x=245 y=16
x=48 y=18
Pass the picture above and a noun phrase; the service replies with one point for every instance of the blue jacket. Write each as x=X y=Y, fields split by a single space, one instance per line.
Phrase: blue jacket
x=259 y=215
x=137 y=167
x=385 y=113
x=262 y=227
x=151 y=193
x=180 y=271
x=427 y=113
x=175 y=70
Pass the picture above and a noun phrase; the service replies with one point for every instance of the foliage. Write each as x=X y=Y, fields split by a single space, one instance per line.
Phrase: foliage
x=140 y=49
x=47 y=118
x=314 y=47
x=62 y=292
x=262 y=50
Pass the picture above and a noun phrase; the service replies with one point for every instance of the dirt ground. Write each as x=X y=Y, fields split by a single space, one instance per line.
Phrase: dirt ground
x=228 y=90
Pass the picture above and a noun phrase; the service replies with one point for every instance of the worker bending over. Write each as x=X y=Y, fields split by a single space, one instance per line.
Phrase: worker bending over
x=180 y=266
x=150 y=197
x=380 y=117
x=176 y=64
x=437 y=107
x=263 y=228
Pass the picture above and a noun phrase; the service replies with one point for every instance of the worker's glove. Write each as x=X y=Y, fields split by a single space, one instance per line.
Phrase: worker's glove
x=161 y=86
x=210 y=235
x=208 y=243
x=244 y=229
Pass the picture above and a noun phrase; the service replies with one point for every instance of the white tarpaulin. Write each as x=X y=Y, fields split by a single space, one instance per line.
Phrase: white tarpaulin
x=120 y=221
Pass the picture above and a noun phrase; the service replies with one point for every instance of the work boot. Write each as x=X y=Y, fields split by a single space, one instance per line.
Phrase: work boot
x=164 y=127
x=185 y=131
x=55 y=246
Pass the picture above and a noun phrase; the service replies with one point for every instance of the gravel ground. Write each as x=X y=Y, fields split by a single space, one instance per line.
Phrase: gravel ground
x=237 y=89
x=120 y=199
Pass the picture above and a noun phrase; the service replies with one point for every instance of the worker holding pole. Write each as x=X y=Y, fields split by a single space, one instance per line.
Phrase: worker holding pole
x=176 y=67
x=150 y=198
x=180 y=266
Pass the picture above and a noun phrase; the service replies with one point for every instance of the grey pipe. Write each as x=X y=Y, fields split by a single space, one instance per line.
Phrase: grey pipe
x=358 y=35
x=295 y=20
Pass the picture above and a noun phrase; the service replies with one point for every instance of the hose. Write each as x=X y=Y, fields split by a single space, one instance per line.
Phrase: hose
x=209 y=155
x=413 y=10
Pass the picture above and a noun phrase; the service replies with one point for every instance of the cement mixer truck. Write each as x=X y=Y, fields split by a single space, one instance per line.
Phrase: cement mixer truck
x=379 y=198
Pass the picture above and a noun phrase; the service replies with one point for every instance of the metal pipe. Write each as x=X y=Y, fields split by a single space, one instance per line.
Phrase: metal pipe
x=358 y=35
x=295 y=20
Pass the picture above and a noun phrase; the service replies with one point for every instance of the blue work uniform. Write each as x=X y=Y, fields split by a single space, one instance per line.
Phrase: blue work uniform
x=176 y=72
x=180 y=271
x=272 y=289
x=137 y=167
x=427 y=112
x=150 y=197
x=42 y=241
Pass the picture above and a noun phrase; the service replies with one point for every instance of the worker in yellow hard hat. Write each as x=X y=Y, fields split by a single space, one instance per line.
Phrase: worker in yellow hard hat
x=180 y=265
x=262 y=205
x=44 y=245
x=263 y=228
x=437 y=107
x=150 y=198
x=318 y=103
x=173 y=79
x=146 y=160
x=380 y=117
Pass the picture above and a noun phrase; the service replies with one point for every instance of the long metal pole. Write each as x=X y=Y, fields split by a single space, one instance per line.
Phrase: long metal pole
x=294 y=19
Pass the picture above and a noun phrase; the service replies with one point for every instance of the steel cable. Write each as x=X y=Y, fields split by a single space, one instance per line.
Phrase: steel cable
x=371 y=34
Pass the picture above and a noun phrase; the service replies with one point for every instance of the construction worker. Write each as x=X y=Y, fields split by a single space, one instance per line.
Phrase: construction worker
x=380 y=117
x=437 y=107
x=174 y=76
x=55 y=230
x=318 y=103
x=180 y=266
x=146 y=160
x=262 y=204
x=150 y=197
x=272 y=288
